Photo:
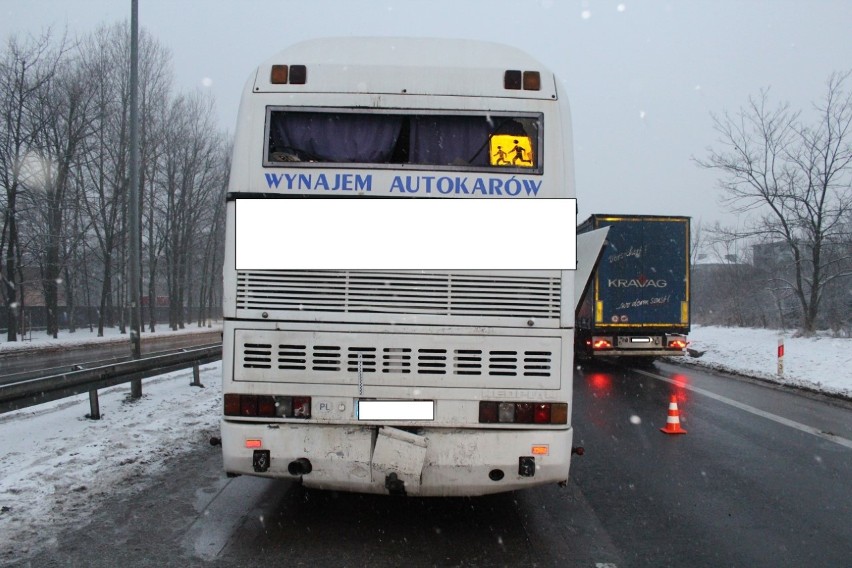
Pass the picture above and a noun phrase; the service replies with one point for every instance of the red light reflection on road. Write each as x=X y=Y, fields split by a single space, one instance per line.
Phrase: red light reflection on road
x=600 y=382
x=680 y=388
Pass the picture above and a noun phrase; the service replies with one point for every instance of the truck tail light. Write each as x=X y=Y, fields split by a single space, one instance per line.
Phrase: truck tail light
x=264 y=406
x=601 y=343
x=676 y=341
x=491 y=412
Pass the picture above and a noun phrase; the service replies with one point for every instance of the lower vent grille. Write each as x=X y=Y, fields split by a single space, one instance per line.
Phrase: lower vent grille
x=405 y=360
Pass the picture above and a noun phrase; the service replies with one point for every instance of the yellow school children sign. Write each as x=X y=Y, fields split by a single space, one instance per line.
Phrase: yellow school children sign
x=509 y=150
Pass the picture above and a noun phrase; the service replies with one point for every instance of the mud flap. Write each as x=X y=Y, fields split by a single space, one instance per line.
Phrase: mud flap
x=398 y=459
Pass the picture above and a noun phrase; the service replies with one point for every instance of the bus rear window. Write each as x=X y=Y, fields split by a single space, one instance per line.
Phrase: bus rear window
x=457 y=141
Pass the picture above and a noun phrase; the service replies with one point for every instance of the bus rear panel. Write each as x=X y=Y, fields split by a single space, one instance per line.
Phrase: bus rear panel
x=379 y=379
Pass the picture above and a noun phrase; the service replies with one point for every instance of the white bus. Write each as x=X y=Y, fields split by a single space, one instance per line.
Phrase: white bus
x=365 y=370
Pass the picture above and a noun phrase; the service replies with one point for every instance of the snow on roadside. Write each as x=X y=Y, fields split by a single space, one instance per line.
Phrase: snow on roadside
x=819 y=363
x=57 y=466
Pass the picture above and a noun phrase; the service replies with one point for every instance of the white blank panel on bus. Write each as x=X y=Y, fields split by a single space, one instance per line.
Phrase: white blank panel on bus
x=405 y=234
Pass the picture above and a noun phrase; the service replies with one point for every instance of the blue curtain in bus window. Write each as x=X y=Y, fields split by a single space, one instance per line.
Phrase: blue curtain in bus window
x=450 y=140
x=335 y=137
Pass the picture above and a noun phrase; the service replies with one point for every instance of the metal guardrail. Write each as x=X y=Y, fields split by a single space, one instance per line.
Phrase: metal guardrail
x=82 y=365
x=39 y=390
x=64 y=369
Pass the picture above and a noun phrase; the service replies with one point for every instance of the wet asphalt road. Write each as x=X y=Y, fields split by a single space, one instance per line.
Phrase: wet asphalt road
x=739 y=489
x=761 y=479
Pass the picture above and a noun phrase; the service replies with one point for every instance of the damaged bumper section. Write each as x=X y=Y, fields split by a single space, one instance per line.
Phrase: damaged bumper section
x=387 y=460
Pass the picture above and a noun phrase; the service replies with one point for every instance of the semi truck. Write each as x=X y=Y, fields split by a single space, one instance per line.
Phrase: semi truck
x=636 y=303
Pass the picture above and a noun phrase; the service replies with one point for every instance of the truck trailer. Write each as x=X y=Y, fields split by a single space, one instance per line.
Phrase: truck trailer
x=636 y=303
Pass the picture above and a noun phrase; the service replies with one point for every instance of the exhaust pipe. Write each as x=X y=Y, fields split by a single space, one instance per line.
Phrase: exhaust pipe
x=301 y=466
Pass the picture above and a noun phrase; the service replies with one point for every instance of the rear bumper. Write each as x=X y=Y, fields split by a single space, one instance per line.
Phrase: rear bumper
x=433 y=462
x=639 y=353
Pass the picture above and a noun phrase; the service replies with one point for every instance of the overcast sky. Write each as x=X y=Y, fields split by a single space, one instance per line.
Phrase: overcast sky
x=642 y=76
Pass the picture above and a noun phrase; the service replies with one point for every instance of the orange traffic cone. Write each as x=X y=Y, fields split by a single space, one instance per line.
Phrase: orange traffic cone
x=673 y=421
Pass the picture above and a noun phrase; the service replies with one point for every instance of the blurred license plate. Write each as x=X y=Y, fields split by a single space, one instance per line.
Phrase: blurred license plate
x=396 y=410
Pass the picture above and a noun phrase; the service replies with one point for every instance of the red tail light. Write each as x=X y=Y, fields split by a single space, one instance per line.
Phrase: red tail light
x=265 y=406
x=524 y=412
x=491 y=412
x=677 y=344
x=488 y=412
x=541 y=415
x=248 y=405
x=232 y=404
x=599 y=343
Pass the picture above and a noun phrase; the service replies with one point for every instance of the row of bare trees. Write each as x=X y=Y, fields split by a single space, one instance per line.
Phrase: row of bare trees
x=64 y=154
x=747 y=283
x=789 y=174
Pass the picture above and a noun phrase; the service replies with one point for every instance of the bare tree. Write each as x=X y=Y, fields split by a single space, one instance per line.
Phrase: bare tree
x=155 y=100
x=698 y=245
x=211 y=236
x=726 y=289
x=64 y=122
x=23 y=75
x=794 y=181
x=105 y=54
x=191 y=175
x=63 y=179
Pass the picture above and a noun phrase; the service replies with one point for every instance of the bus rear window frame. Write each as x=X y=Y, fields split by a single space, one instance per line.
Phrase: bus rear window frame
x=538 y=116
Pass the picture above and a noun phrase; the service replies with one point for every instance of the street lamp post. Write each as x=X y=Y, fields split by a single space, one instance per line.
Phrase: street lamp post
x=133 y=200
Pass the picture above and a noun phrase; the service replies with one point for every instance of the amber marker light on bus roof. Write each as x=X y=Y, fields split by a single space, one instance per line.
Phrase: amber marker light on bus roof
x=298 y=74
x=288 y=74
x=527 y=80
x=279 y=75
x=512 y=80
x=532 y=81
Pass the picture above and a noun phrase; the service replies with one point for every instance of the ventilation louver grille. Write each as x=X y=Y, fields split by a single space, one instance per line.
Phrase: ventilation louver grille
x=399 y=293
x=396 y=360
x=404 y=360
x=257 y=356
